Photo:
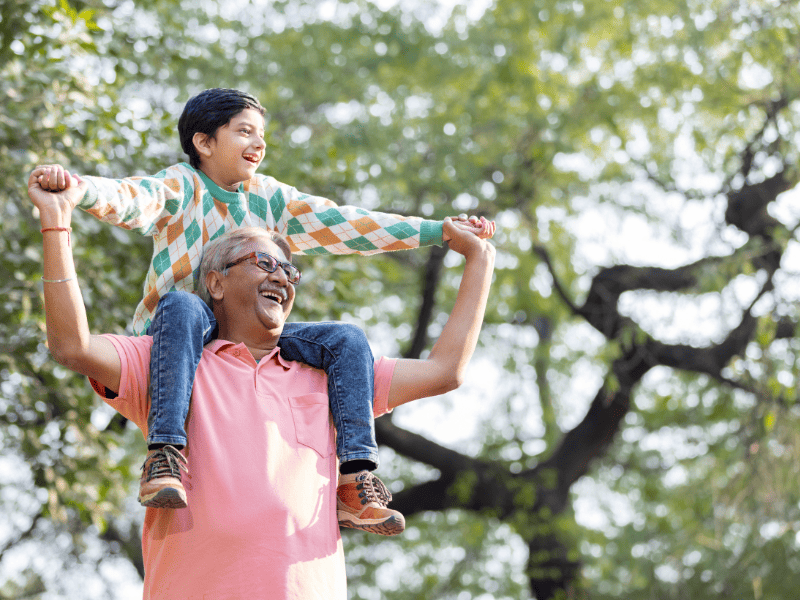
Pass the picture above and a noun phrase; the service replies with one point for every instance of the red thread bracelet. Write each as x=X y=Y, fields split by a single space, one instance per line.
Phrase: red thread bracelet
x=67 y=229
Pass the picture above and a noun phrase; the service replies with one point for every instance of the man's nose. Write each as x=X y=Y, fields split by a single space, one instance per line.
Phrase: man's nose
x=279 y=277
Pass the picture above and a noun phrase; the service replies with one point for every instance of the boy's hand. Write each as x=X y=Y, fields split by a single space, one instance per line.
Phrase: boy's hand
x=55 y=208
x=54 y=178
x=464 y=240
x=481 y=227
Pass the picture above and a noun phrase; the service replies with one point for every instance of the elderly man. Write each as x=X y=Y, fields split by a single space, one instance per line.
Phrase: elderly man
x=262 y=516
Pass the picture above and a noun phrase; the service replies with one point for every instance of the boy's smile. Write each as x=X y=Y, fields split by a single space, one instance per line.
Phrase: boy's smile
x=233 y=154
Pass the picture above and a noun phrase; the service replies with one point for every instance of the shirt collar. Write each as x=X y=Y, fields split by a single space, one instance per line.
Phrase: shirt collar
x=241 y=352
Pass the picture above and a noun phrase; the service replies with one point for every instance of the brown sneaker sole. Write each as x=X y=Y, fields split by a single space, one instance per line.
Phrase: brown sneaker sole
x=165 y=498
x=391 y=526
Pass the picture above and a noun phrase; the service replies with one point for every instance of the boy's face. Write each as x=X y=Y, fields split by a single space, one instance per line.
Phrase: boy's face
x=234 y=153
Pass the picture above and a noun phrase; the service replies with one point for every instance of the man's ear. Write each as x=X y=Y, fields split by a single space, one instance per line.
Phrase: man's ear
x=214 y=285
x=202 y=143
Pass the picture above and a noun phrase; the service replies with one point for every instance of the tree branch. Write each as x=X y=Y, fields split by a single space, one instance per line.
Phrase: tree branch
x=23 y=535
x=421 y=449
x=541 y=251
x=433 y=274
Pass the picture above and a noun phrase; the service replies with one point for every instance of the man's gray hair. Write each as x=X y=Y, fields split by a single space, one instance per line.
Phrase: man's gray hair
x=227 y=248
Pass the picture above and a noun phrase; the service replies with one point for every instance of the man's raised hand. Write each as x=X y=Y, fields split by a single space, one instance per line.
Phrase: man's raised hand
x=478 y=226
x=54 y=178
x=54 y=191
x=464 y=239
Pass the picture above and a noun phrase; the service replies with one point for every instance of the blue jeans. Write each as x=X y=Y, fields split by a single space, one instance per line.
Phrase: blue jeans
x=183 y=324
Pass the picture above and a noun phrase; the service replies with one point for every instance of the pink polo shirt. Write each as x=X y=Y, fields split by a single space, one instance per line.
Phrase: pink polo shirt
x=261 y=521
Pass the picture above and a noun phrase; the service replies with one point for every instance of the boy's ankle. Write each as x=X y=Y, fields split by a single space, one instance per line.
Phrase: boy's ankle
x=158 y=446
x=354 y=466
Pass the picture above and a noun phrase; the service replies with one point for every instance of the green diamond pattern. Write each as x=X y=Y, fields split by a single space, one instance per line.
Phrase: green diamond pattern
x=360 y=243
x=331 y=217
x=401 y=230
x=278 y=205
x=208 y=204
x=294 y=227
x=192 y=233
x=161 y=261
x=258 y=206
x=133 y=213
x=319 y=250
x=237 y=212
x=188 y=192
x=172 y=205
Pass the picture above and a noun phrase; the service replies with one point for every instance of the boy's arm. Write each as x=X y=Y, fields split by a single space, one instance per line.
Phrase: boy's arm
x=68 y=337
x=134 y=203
x=315 y=225
x=444 y=368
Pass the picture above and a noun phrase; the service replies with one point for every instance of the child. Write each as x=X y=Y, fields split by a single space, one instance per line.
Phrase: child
x=185 y=206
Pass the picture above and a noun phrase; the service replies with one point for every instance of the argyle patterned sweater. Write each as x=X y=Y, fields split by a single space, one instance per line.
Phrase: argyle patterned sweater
x=182 y=209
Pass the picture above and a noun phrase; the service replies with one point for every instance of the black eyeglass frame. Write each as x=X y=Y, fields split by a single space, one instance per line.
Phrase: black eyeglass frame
x=270 y=261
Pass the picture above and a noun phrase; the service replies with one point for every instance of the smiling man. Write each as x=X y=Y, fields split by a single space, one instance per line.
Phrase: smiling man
x=261 y=520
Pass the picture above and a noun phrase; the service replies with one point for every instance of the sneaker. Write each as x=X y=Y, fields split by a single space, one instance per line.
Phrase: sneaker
x=361 y=500
x=160 y=485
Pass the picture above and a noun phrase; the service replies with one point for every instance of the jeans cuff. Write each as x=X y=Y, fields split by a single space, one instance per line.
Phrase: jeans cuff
x=371 y=456
x=166 y=439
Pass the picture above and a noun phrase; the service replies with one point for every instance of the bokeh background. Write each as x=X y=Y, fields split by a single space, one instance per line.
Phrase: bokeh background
x=629 y=428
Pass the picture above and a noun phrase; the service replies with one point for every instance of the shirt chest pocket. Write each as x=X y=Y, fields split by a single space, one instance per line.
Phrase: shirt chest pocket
x=312 y=423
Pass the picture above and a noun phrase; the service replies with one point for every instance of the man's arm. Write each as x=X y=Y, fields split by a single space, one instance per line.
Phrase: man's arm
x=444 y=368
x=68 y=337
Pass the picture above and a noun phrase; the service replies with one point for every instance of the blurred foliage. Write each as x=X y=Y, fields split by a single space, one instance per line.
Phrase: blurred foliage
x=534 y=114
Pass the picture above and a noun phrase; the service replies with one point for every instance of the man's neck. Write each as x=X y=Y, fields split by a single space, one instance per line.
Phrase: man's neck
x=259 y=346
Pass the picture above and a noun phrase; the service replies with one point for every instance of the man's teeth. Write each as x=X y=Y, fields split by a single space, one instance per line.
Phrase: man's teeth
x=272 y=296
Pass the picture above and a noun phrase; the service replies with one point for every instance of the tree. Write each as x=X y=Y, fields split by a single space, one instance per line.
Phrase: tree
x=681 y=119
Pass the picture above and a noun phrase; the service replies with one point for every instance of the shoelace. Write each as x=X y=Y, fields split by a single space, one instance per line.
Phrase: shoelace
x=166 y=461
x=375 y=489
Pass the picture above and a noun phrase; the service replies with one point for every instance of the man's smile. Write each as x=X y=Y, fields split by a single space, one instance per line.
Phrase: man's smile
x=275 y=294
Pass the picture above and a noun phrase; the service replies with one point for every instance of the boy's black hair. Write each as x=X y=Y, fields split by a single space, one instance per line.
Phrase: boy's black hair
x=208 y=111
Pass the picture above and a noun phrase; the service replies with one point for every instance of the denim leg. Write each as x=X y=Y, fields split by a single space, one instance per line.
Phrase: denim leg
x=182 y=325
x=342 y=351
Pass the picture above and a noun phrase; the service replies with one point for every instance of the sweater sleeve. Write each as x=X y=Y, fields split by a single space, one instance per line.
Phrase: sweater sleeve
x=138 y=203
x=315 y=225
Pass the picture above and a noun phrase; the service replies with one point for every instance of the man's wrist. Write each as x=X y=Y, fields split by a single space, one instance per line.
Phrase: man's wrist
x=55 y=218
x=480 y=252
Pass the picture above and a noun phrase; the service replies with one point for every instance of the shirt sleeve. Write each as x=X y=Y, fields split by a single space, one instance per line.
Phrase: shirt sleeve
x=384 y=371
x=316 y=225
x=137 y=203
x=133 y=400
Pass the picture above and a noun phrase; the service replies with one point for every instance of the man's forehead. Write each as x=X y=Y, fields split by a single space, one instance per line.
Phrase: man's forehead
x=264 y=244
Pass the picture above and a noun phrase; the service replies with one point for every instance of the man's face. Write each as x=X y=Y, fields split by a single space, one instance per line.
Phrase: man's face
x=256 y=298
x=236 y=150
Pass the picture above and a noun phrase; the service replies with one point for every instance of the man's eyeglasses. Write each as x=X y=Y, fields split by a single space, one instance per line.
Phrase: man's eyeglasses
x=269 y=264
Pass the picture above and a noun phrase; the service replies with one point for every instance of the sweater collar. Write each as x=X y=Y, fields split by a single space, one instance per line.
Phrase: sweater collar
x=216 y=191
